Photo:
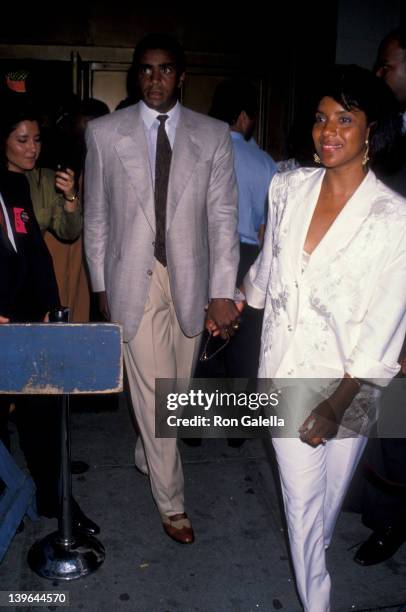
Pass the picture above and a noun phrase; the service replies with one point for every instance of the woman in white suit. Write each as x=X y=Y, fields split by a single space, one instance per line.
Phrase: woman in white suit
x=332 y=279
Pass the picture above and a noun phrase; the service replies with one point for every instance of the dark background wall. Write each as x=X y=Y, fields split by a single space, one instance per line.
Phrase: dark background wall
x=283 y=52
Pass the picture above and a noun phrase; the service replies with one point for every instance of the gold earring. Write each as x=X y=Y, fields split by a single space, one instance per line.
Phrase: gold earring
x=365 y=159
x=316 y=158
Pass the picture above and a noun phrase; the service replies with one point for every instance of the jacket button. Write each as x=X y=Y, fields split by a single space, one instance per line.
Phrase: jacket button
x=149 y=272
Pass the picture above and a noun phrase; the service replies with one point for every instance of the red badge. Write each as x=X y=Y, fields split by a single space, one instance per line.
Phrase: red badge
x=20 y=219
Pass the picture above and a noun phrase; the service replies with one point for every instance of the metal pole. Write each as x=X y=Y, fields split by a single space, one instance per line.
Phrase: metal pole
x=65 y=510
x=62 y=555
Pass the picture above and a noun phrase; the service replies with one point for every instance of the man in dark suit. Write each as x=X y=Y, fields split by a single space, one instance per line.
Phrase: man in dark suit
x=384 y=501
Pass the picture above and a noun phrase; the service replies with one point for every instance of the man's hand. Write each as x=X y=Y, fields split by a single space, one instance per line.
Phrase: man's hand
x=103 y=305
x=4 y=320
x=222 y=317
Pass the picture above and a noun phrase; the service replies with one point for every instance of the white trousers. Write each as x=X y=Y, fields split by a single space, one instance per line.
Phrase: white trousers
x=314 y=482
x=159 y=350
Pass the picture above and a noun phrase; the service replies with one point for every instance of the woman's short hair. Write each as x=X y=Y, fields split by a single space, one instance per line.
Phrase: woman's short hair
x=357 y=88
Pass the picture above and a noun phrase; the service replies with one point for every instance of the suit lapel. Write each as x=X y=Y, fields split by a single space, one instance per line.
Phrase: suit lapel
x=133 y=151
x=185 y=155
x=303 y=202
x=346 y=225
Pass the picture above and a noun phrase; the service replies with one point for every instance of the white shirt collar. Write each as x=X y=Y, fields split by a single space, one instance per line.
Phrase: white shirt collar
x=149 y=115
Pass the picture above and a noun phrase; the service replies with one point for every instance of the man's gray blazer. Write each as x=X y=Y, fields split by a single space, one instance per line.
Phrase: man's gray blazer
x=201 y=232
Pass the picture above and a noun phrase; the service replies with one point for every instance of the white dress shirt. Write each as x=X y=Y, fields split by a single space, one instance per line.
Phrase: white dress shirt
x=151 y=125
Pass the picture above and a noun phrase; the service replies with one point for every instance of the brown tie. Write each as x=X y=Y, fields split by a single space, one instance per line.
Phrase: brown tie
x=162 y=167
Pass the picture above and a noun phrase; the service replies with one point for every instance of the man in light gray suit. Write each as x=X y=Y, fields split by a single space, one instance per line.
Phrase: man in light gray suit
x=161 y=242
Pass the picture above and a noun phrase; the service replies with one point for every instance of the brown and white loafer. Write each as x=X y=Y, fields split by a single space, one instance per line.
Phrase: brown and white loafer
x=179 y=528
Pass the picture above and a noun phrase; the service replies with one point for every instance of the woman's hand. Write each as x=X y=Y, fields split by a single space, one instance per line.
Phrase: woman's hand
x=4 y=320
x=65 y=183
x=325 y=419
x=320 y=426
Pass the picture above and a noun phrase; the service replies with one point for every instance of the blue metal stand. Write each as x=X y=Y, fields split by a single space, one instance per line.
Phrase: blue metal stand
x=17 y=499
x=62 y=359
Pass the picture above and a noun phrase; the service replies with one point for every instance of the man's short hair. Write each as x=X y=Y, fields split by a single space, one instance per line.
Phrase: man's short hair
x=163 y=41
x=398 y=34
x=233 y=96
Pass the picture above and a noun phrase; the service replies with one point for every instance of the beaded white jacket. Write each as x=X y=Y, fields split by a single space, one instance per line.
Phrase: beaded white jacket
x=345 y=312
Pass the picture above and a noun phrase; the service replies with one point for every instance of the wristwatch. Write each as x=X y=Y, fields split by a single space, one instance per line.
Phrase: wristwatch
x=72 y=198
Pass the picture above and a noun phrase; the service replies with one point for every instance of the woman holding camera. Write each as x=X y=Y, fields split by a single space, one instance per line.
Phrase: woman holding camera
x=28 y=291
x=55 y=200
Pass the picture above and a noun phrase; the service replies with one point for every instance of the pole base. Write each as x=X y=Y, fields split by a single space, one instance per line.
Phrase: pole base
x=56 y=559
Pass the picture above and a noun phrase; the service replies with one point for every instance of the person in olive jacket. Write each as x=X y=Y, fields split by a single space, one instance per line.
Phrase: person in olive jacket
x=28 y=292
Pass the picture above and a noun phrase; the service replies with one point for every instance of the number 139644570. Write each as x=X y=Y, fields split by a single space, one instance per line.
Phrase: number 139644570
x=34 y=598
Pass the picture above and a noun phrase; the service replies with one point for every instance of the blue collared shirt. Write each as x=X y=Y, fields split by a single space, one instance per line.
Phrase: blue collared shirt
x=254 y=170
x=151 y=124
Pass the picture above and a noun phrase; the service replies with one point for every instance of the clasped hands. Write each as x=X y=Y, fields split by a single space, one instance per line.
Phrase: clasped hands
x=223 y=317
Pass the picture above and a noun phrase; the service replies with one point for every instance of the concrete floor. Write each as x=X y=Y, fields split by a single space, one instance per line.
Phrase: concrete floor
x=239 y=562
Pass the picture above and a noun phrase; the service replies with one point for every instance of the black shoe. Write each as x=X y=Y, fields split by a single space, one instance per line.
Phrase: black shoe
x=380 y=546
x=81 y=523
